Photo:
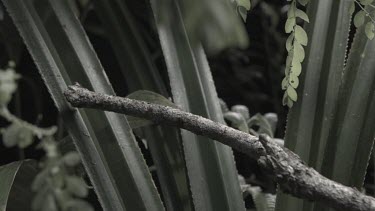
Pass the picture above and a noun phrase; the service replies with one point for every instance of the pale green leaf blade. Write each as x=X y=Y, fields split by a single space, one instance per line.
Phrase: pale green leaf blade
x=15 y=183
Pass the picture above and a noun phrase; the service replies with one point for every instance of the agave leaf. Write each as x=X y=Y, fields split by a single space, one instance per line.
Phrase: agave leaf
x=212 y=174
x=104 y=140
x=352 y=134
x=138 y=68
x=15 y=183
x=310 y=119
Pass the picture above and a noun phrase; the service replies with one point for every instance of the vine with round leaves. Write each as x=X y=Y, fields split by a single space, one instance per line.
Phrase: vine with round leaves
x=296 y=53
x=364 y=16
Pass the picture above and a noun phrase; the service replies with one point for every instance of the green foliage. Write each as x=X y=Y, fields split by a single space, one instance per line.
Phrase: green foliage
x=296 y=53
x=242 y=7
x=262 y=201
x=213 y=23
x=8 y=83
x=324 y=126
x=364 y=16
x=17 y=135
x=239 y=118
x=263 y=123
x=56 y=186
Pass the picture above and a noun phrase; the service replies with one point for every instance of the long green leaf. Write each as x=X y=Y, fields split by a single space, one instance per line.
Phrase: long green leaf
x=15 y=185
x=138 y=68
x=212 y=173
x=352 y=135
x=109 y=151
x=310 y=119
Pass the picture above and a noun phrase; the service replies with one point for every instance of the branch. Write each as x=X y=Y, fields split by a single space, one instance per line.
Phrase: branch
x=289 y=171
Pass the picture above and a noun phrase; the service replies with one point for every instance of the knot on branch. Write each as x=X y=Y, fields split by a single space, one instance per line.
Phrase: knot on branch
x=283 y=163
x=76 y=95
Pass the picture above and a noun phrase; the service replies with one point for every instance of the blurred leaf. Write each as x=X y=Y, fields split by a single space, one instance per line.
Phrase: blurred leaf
x=8 y=85
x=16 y=134
x=263 y=201
x=72 y=158
x=49 y=204
x=15 y=183
x=243 y=13
x=238 y=121
x=262 y=122
x=272 y=119
x=303 y=2
x=213 y=23
x=244 y=3
x=76 y=186
x=78 y=205
x=39 y=198
x=243 y=110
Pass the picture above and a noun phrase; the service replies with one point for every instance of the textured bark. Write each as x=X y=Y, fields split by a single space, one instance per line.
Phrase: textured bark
x=289 y=171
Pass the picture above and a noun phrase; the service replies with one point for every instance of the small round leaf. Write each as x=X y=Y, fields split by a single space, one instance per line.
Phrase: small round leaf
x=300 y=35
x=290 y=24
x=369 y=30
x=292 y=94
x=359 y=18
